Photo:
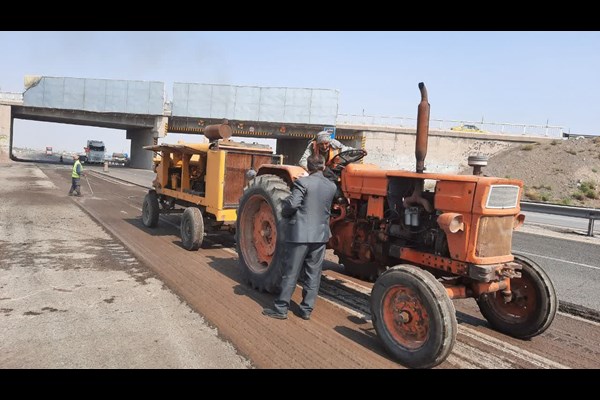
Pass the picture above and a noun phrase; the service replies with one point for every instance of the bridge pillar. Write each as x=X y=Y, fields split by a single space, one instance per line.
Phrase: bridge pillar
x=5 y=133
x=139 y=157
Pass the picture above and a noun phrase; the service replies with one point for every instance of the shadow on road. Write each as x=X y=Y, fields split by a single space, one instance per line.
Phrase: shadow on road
x=365 y=337
x=168 y=225
x=463 y=318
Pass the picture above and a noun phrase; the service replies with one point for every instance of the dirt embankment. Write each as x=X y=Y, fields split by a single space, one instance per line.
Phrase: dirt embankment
x=561 y=172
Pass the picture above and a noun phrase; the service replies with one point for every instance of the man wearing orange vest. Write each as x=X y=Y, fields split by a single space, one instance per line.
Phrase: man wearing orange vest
x=324 y=145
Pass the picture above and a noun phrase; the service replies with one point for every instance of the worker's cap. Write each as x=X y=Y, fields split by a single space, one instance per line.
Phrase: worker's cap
x=75 y=157
x=323 y=137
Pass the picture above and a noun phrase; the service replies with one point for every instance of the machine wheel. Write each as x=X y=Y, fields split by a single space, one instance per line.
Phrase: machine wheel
x=532 y=307
x=368 y=271
x=260 y=232
x=413 y=316
x=192 y=228
x=150 y=209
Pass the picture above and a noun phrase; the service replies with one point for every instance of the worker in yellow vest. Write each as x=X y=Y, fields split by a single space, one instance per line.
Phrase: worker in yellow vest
x=76 y=174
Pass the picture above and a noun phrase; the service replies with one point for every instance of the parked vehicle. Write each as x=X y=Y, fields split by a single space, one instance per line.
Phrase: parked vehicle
x=119 y=159
x=466 y=128
x=95 y=151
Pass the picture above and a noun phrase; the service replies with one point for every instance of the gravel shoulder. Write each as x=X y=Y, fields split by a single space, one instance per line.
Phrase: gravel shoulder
x=72 y=296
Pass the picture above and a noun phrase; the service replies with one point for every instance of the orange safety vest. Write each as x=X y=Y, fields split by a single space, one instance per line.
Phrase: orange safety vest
x=330 y=154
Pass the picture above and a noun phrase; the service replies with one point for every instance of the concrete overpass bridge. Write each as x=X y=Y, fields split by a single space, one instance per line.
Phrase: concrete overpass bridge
x=139 y=108
x=289 y=115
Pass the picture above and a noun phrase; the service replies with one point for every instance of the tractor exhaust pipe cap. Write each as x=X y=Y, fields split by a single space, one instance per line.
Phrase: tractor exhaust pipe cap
x=477 y=162
x=218 y=131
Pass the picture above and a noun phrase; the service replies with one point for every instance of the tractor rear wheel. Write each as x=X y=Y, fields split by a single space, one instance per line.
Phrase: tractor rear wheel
x=260 y=232
x=532 y=307
x=413 y=316
x=150 y=209
x=192 y=228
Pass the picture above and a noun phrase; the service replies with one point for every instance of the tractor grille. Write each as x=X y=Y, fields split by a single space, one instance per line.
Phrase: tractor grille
x=503 y=196
x=494 y=236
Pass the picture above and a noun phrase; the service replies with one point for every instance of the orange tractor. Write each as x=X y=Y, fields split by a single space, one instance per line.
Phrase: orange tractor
x=425 y=247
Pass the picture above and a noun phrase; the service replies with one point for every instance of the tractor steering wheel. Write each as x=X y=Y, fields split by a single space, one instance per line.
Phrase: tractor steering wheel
x=344 y=158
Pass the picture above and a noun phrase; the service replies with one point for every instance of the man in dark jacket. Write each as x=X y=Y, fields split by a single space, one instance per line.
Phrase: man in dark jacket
x=308 y=210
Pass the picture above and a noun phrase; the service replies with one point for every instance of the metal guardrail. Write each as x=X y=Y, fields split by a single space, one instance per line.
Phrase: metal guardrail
x=591 y=214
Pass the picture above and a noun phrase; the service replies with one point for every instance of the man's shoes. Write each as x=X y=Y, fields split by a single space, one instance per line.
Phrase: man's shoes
x=269 y=312
x=305 y=316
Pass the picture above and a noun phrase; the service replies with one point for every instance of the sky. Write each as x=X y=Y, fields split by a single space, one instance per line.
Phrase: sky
x=511 y=77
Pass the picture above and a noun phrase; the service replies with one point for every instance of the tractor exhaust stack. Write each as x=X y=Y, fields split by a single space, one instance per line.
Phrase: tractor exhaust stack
x=420 y=151
x=422 y=129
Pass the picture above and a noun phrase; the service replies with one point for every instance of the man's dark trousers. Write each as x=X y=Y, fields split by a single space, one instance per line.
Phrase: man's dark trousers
x=75 y=186
x=298 y=254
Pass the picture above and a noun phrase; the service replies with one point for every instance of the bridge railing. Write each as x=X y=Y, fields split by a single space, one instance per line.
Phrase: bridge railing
x=501 y=128
x=12 y=98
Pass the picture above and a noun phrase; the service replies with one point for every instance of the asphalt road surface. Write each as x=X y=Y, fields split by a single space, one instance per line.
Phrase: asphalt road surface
x=573 y=265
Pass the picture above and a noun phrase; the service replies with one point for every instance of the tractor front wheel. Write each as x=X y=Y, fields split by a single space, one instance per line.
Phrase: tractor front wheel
x=532 y=306
x=413 y=316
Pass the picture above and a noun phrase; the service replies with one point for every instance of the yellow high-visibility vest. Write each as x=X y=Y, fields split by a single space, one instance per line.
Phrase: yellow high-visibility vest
x=75 y=174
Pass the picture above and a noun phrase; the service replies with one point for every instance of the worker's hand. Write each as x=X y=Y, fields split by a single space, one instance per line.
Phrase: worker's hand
x=329 y=174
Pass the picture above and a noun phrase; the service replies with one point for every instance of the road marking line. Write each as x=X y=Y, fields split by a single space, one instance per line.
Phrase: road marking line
x=350 y=284
x=458 y=361
x=515 y=351
x=107 y=179
x=343 y=307
x=227 y=249
x=558 y=259
x=579 y=318
x=465 y=352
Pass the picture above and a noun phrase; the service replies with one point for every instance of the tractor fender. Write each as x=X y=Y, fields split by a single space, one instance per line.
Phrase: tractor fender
x=289 y=173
